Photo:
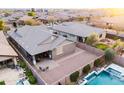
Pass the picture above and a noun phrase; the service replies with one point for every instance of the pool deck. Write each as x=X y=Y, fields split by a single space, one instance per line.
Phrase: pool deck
x=116 y=67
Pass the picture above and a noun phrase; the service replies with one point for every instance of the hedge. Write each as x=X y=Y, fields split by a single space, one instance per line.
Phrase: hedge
x=32 y=79
x=74 y=76
x=86 y=69
x=28 y=73
x=22 y=64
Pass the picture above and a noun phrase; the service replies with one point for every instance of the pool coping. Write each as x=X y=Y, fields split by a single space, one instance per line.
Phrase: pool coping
x=113 y=66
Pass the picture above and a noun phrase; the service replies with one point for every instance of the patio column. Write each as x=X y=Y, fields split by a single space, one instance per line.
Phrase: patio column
x=34 y=60
x=15 y=61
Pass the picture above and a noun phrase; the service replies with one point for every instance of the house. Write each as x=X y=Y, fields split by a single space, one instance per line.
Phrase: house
x=35 y=43
x=52 y=58
x=76 y=31
x=7 y=54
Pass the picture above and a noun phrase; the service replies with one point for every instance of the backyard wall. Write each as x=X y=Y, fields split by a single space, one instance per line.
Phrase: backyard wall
x=119 y=60
x=90 y=49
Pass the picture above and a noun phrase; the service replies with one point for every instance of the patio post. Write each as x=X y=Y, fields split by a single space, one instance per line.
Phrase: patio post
x=15 y=61
x=34 y=60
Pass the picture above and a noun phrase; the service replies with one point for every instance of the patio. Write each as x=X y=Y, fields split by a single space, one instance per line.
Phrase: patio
x=47 y=63
x=10 y=76
x=61 y=68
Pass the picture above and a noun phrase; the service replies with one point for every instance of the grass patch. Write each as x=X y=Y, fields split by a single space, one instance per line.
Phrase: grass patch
x=101 y=46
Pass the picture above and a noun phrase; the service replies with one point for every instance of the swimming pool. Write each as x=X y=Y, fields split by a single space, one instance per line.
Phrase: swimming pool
x=108 y=76
x=104 y=78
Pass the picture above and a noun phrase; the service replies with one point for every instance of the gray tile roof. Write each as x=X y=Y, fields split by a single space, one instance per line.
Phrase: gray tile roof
x=78 y=29
x=36 y=39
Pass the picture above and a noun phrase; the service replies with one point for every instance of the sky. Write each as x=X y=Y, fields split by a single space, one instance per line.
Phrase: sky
x=62 y=4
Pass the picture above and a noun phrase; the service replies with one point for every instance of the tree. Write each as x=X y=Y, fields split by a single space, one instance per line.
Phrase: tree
x=86 y=69
x=109 y=54
x=31 y=14
x=98 y=63
x=93 y=38
x=1 y=25
x=74 y=76
x=80 y=18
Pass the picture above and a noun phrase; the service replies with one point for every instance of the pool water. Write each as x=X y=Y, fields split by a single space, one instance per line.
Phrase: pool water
x=104 y=78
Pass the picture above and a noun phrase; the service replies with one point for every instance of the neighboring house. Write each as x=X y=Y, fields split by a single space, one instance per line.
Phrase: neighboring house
x=9 y=19
x=76 y=31
x=35 y=43
x=7 y=54
x=23 y=19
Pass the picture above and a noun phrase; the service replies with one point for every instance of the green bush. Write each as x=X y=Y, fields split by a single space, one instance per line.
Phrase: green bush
x=31 y=14
x=74 y=76
x=109 y=54
x=32 y=79
x=22 y=64
x=2 y=82
x=98 y=63
x=86 y=69
x=101 y=46
x=28 y=73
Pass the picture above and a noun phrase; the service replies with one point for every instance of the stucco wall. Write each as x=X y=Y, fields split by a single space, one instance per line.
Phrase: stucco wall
x=119 y=60
x=67 y=49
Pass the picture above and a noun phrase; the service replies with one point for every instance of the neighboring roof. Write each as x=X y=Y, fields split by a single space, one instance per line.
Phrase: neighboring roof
x=25 y=17
x=36 y=39
x=76 y=28
x=5 y=48
x=4 y=58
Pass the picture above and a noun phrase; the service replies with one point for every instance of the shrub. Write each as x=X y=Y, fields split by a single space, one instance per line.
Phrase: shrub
x=32 y=79
x=32 y=22
x=28 y=72
x=31 y=14
x=109 y=54
x=2 y=82
x=86 y=69
x=80 y=18
x=98 y=63
x=93 y=38
x=22 y=64
x=1 y=25
x=74 y=76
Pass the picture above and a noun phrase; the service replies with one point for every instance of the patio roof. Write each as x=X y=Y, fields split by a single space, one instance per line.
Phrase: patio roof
x=78 y=29
x=5 y=48
x=2 y=58
x=36 y=39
